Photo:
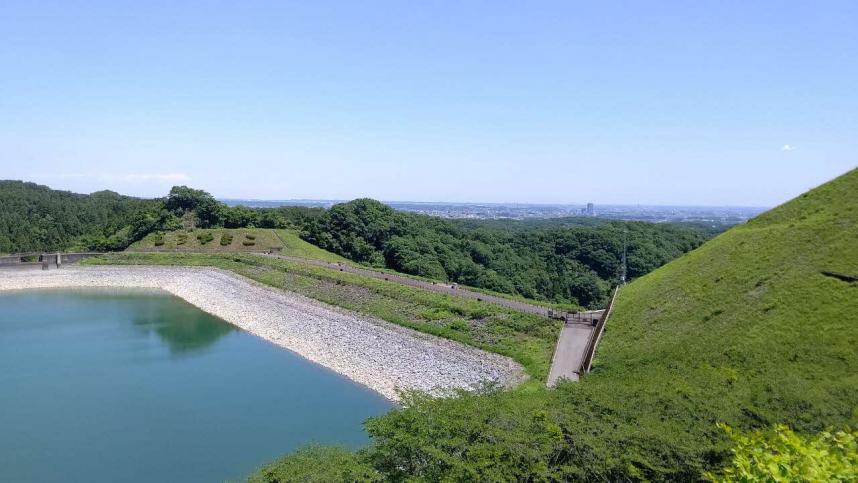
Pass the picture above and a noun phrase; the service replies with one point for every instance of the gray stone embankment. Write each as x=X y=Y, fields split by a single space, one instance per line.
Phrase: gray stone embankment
x=380 y=355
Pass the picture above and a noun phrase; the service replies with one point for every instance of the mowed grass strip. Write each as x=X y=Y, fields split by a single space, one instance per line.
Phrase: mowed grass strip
x=294 y=246
x=526 y=338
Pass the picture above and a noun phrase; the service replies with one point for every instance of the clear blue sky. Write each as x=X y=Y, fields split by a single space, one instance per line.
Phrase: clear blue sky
x=709 y=103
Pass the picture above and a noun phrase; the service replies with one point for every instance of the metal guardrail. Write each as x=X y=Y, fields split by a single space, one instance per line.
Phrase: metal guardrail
x=596 y=335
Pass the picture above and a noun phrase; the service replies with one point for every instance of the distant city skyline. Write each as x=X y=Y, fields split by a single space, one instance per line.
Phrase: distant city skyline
x=685 y=103
x=716 y=215
x=308 y=201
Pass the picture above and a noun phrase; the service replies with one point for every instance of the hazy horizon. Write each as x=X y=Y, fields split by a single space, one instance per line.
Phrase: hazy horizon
x=440 y=202
x=500 y=203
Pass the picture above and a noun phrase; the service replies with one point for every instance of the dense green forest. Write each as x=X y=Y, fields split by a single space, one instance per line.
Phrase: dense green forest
x=563 y=260
x=755 y=329
x=36 y=218
x=573 y=260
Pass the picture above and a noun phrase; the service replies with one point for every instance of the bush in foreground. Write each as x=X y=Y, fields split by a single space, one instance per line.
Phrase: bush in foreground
x=317 y=464
x=782 y=455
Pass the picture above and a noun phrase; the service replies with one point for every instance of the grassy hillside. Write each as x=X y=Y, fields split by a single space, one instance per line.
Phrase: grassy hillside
x=749 y=329
x=758 y=326
x=294 y=246
x=233 y=240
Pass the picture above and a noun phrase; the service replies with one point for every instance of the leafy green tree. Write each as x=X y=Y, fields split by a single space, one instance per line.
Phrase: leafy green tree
x=269 y=218
x=239 y=217
x=182 y=199
x=781 y=455
x=209 y=213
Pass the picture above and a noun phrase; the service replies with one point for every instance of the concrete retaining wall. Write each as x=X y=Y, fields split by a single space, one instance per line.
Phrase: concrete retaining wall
x=43 y=260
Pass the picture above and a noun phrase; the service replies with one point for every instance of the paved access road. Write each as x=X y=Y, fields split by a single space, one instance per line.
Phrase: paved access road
x=569 y=353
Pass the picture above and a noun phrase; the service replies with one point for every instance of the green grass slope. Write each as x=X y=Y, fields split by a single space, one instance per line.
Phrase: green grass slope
x=285 y=242
x=748 y=328
x=294 y=246
x=221 y=240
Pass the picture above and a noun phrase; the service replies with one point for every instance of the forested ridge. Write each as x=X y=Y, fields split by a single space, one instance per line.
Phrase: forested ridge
x=37 y=218
x=563 y=260
x=572 y=260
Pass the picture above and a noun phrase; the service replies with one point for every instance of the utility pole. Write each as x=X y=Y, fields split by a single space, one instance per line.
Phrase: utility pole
x=625 y=246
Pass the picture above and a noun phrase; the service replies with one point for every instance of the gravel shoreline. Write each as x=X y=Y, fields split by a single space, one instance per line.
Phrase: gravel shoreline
x=380 y=355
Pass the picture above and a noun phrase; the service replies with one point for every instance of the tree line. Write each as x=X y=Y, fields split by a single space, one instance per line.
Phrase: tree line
x=569 y=260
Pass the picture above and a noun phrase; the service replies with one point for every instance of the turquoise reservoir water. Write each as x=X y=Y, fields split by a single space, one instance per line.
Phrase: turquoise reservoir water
x=127 y=386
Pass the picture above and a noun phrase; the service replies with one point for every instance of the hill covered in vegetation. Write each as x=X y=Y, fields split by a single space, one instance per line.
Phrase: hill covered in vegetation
x=563 y=260
x=569 y=261
x=756 y=328
x=37 y=218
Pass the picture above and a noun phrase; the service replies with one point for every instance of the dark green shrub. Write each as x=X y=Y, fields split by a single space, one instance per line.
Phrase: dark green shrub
x=225 y=239
x=205 y=237
x=248 y=243
x=249 y=236
x=317 y=464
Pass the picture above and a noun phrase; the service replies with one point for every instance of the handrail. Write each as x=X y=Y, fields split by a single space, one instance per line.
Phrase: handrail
x=31 y=254
x=596 y=335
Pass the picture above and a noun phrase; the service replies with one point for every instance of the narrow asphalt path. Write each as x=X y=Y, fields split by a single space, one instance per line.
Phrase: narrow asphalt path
x=569 y=353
